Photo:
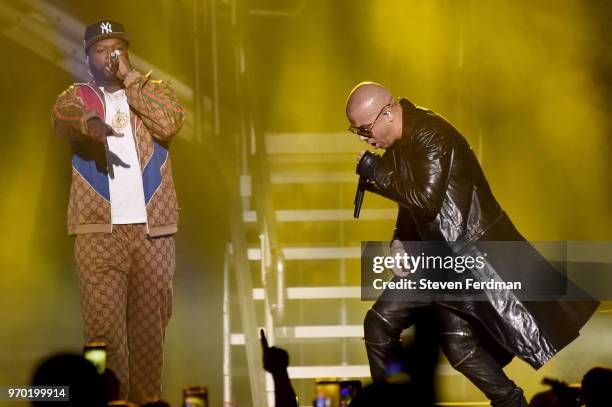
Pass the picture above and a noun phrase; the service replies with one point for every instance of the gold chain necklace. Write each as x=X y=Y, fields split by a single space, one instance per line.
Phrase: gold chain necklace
x=120 y=119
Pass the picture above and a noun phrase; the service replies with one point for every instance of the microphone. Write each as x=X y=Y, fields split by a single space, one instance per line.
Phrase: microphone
x=366 y=160
x=359 y=197
x=114 y=59
x=115 y=55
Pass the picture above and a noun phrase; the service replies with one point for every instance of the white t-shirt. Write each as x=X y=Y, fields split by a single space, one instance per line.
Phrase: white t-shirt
x=125 y=177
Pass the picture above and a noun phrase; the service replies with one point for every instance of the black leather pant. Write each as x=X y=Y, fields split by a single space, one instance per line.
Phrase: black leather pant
x=386 y=320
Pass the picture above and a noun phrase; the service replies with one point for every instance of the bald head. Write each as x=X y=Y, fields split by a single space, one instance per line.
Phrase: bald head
x=374 y=114
x=365 y=100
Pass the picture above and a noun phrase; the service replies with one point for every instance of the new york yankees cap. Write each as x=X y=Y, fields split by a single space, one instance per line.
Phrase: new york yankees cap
x=102 y=30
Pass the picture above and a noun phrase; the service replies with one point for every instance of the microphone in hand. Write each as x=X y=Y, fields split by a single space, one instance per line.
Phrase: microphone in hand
x=365 y=166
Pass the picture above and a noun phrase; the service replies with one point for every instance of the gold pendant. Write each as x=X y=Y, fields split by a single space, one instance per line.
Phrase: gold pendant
x=120 y=120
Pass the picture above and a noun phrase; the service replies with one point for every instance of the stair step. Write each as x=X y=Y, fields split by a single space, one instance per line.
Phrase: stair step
x=313 y=177
x=324 y=215
x=310 y=332
x=311 y=253
x=308 y=293
x=306 y=143
x=314 y=161
x=347 y=371
x=340 y=371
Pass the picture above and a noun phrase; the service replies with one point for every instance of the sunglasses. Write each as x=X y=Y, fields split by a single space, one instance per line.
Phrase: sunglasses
x=366 y=130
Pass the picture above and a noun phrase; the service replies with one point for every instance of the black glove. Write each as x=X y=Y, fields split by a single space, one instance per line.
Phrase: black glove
x=370 y=167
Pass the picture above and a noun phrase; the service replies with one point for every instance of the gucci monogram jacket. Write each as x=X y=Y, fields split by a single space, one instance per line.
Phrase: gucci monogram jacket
x=156 y=117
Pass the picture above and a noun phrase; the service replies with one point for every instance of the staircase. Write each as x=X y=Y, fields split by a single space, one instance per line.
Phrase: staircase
x=305 y=259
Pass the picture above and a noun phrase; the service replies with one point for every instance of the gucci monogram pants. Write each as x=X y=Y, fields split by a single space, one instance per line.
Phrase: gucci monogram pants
x=126 y=299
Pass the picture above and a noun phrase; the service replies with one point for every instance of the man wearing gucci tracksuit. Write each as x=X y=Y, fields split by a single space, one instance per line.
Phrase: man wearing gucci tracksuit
x=122 y=206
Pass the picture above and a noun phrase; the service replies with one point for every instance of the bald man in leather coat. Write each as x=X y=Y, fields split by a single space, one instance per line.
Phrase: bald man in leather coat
x=430 y=171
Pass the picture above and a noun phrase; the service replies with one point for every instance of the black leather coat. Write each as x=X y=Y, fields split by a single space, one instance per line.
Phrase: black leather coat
x=443 y=195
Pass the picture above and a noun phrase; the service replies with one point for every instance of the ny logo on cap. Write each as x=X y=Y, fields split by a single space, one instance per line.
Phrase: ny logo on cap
x=106 y=28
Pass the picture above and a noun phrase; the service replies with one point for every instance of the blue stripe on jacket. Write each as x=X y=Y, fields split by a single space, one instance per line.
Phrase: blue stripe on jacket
x=89 y=171
x=151 y=174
